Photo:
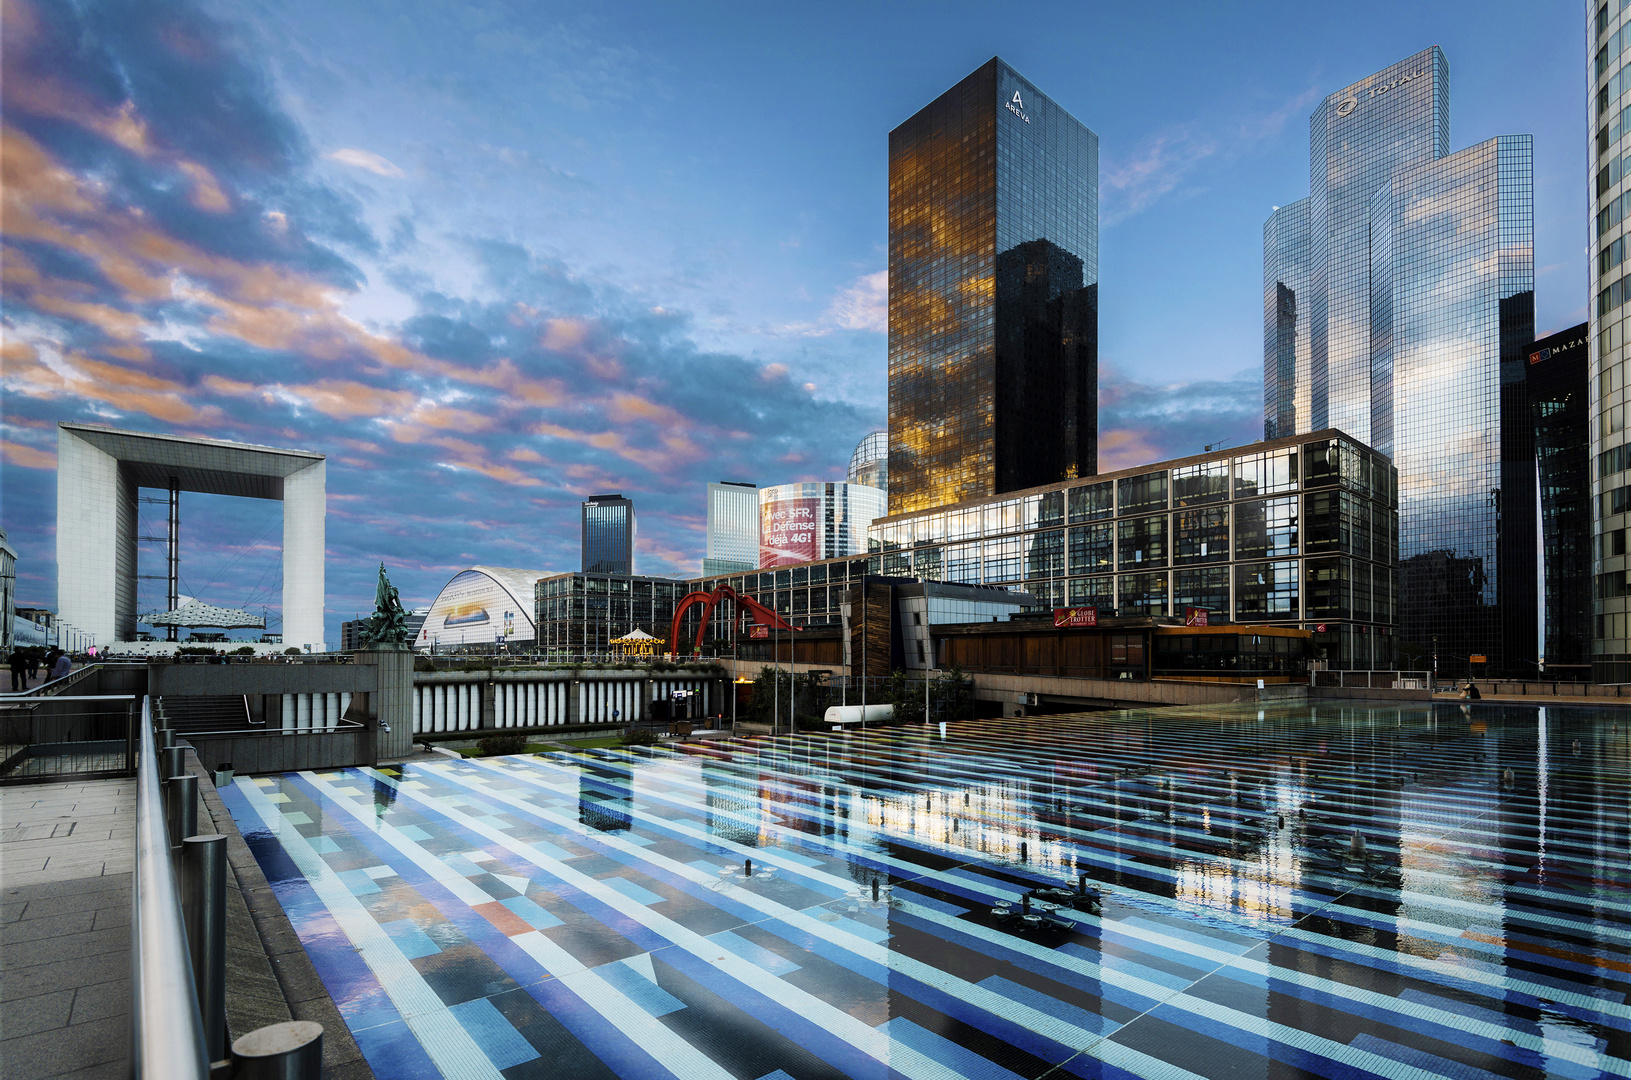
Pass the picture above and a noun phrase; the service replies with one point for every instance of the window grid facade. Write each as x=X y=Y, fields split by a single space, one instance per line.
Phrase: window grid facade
x=1298 y=532
x=1609 y=193
x=733 y=528
x=608 y=535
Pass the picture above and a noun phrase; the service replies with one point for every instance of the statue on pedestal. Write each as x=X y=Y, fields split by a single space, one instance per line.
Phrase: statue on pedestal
x=388 y=626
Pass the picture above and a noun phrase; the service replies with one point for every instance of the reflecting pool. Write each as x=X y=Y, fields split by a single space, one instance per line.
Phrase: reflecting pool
x=1277 y=891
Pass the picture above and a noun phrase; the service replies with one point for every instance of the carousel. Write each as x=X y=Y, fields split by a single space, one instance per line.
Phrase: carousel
x=637 y=643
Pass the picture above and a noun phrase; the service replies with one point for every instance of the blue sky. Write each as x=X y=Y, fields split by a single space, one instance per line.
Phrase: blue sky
x=492 y=258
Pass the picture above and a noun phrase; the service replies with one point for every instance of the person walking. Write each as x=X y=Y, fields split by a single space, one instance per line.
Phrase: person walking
x=60 y=667
x=19 y=668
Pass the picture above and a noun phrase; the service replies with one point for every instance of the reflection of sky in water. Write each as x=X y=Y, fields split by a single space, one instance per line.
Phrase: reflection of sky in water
x=1338 y=890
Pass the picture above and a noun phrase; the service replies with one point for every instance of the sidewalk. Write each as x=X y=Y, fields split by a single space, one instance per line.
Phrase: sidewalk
x=66 y=855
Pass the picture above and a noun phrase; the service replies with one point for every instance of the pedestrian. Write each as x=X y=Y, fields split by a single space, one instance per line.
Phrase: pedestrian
x=34 y=657
x=19 y=668
x=61 y=666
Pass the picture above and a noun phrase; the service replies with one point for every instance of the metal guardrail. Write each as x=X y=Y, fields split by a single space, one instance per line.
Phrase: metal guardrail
x=48 y=737
x=167 y=1027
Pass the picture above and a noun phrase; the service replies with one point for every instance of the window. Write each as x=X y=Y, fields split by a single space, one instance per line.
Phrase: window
x=1328 y=584
x=1002 y=558
x=1265 y=474
x=1137 y=494
x=1046 y=557
x=1200 y=536
x=1142 y=542
x=1195 y=485
x=1142 y=594
x=1206 y=587
x=1091 y=502
x=1092 y=548
x=1266 y=590
x=1097 y=592
x=1266 y=529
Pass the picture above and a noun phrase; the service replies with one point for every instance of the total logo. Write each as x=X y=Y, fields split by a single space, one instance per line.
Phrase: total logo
x=1017 y=107
x=1351 y=102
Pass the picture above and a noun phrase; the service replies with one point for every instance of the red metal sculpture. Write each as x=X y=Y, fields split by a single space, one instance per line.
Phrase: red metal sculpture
x=745 y=606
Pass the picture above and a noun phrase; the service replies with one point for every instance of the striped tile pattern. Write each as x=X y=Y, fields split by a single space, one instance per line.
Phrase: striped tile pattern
x=1279 y=892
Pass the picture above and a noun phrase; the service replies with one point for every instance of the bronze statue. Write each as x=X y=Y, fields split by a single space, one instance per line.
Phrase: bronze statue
x=389 y=623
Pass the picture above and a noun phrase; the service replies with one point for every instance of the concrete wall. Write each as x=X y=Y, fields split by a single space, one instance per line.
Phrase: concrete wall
x=447 y=701
x=1012 y=690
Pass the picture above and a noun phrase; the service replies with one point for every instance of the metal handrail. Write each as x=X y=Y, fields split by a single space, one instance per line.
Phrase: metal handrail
x=167 y=1029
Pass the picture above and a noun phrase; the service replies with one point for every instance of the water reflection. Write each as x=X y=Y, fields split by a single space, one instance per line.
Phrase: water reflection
x=1274 y=891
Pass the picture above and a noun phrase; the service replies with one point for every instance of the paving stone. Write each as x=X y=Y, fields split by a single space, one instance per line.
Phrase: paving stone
x=49 y=977
x=51 y=1053
x=73 y=923
x=38 y=1013
x=101 y=1001
x=66 y=947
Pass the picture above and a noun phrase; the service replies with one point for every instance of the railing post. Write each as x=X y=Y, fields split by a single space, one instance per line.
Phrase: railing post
x=292 y=1050
x=181 y=807
x=172 y=761
x=204 y=904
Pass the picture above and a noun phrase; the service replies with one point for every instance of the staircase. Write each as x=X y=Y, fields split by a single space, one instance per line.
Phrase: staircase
x=202 y=715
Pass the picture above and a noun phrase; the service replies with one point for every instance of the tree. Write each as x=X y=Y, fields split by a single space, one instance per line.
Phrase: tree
x=953 y=694
x=906 y=695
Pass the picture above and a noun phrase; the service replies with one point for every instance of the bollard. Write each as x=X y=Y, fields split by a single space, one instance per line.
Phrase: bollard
x=167 y=738
x=289 y=1051
x=181 y=808
x=172 y=761
x=204 y=904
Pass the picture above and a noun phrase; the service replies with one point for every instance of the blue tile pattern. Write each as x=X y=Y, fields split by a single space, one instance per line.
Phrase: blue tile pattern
x=1285 y=891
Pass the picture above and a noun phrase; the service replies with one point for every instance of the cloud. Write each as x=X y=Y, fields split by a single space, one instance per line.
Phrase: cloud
x=1143 y=422
x=1166 y=162
x=363 y=159
x=863 y=305
x=175 y=261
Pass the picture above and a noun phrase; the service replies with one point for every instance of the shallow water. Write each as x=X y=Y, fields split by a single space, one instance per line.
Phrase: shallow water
x=1334 y=891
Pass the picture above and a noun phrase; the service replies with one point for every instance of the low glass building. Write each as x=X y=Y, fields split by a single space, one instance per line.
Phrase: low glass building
x=584 y=612
x=1300 y=531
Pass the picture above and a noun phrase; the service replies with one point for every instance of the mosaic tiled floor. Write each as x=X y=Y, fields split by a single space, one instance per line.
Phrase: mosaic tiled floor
x=1329 y=892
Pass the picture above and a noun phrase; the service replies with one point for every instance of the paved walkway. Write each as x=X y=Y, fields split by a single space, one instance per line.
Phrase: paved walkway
x=66 y=854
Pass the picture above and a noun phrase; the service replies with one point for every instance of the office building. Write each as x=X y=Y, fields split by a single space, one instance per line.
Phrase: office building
x=800 y=523
x=1608 y=71
x=1398 y=307
x=1296 y=532
x=8 y=593
x=576 y=613
x=733 y=528
x=869 y=464
x=1560 y=400
x=608 y=535
x=993 y=294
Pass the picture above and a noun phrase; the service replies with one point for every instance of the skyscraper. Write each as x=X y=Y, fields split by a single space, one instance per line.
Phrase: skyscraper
x=608 y=535
x=1560 y=397
x=733 y=528
x=1608 y=69
x=993 y=294
x=1398 y=305
x=869 y=464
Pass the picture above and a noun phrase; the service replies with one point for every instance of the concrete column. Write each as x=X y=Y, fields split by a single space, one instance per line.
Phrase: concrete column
x=304 y=506
x=393 y=701
x=574 y=702
x=489 y=707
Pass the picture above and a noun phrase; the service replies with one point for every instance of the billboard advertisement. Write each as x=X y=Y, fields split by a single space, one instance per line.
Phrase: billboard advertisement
x=789 y=531
x=1075 y=616
x=473 y=609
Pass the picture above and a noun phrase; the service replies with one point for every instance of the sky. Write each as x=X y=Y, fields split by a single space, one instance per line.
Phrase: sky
x=495 y=257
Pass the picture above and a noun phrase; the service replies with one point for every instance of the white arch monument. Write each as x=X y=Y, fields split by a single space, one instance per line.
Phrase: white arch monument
x=98 y=473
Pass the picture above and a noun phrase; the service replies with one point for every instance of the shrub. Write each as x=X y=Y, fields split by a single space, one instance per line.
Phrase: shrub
x=423 y=663
x=244 y=650
x=291 y=651
x=494 y=745
x=195 y=650
x=640 y=737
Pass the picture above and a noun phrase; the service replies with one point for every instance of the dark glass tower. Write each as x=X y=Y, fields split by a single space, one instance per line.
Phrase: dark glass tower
x=1398 y=304
x=993 y=294
x=608 y=535
x=1560 y=398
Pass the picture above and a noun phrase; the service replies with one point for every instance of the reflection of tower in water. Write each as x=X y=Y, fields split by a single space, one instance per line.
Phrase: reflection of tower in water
x=733 y=806
x=606 y=796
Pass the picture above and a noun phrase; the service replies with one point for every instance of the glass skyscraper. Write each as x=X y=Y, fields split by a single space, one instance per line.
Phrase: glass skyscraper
x=1398 y=306
x=1608 y=69
x=1560 y=398
x=993 y=294
x=608 y=535
x=733 y=528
